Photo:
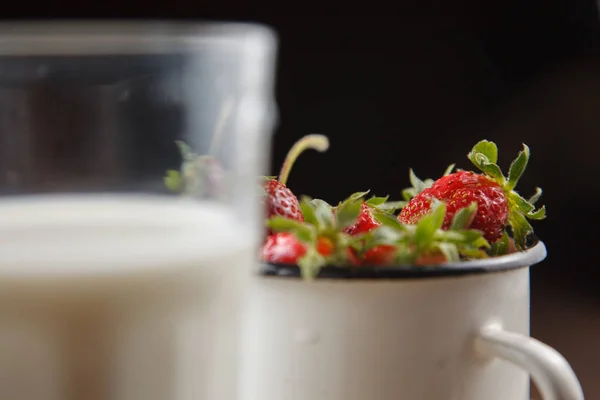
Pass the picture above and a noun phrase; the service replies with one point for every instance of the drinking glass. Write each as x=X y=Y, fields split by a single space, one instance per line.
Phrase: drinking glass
x=129 y=205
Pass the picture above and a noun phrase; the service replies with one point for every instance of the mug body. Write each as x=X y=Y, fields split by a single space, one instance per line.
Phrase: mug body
x=384 y=339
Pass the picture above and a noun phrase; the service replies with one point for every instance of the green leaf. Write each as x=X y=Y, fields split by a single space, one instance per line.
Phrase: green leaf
x=450 y=251
x=539 y=214
x=302 y=231
x=269 y=178
x=382 y=235
x=186 y=151
x=173 y=180
x=488 y=149
x=517 y=167
x=282 y=224
x=521 y=229
x=428 y=226
x=308 y=211
x=520 y=203
x=465 y=237
x=310 y=264
x=471 y=253
x=323 y=213
x=357 y=196
x=347 y=213
x=389 y=220
x=409 y=193
x=463 y=218
x=392 y=206
x=501 y=247
x=405 y=256
x=536 y=196
x=480 y=242
x=454 y=236
x=417 y=184
x=492 y=170
x=377 y=201
x=484 y=156
x=448 y=170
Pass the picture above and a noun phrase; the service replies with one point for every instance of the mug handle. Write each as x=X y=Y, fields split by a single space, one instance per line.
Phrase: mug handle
x=551 y=373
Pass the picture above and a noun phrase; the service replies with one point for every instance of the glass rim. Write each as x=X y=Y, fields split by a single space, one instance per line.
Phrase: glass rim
x=123 y=37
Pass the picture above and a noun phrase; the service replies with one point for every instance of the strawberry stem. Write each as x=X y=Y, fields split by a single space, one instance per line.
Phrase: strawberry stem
x=223 y=116
x=314 y=141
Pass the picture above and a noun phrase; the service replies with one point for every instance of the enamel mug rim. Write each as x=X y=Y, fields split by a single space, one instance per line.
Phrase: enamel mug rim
x=523 y=259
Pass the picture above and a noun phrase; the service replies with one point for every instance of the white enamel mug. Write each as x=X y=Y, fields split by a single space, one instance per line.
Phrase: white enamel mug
x=458 y=332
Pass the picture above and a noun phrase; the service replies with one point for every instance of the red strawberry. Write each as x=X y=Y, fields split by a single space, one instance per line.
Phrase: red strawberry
x=431 y=259
x=280 y=201
x=364 y=223
x=352 y=257
x=458 y=190
x=425 y=243
x=325 y=246
x=285 y=248
x=282 y=248
x=316 y=242
x=383 y=254
x=498 y=205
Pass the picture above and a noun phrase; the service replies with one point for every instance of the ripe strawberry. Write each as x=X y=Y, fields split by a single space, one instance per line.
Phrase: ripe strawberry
x=383 y=254
x=285 y=248
x=459 y=190
x=424 y=243
x=498 y=205
x=431 y=259
x=282 y=248
x=280 y=201
x=325 y=246
x=321 y=237
x=365 y=222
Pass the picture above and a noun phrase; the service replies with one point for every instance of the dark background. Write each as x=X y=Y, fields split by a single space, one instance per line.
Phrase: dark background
x=417 y=88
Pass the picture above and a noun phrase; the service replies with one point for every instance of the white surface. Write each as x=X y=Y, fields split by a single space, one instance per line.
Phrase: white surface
x=120 y=298
x=406 y=339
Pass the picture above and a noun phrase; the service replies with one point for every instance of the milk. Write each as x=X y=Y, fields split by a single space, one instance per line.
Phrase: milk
x=120 y=297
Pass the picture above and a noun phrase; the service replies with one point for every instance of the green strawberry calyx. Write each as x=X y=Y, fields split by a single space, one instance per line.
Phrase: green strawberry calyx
x=189 y=180
x=484 y=156
x=413 y=242
x=194 y=167
x=410 y=242
x=375 y=203
x=419 y=185
x=321 y=225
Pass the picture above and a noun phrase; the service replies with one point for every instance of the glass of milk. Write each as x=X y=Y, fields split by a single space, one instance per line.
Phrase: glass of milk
x=120 y=280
